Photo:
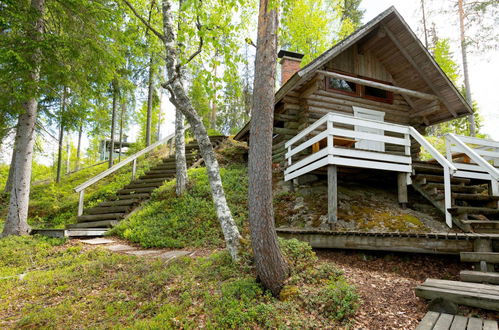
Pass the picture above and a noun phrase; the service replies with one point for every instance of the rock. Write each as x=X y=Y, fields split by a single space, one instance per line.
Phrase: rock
x=441 y=305
x=307 y=178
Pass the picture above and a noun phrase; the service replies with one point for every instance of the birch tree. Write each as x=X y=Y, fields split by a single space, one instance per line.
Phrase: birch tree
x=179 y=98
x=270 y=265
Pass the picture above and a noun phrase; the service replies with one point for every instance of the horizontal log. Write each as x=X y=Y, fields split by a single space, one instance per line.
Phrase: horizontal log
x=285 y=117
x=288 y=131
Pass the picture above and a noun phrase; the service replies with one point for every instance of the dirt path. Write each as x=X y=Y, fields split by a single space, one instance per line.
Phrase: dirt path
x=386 y=284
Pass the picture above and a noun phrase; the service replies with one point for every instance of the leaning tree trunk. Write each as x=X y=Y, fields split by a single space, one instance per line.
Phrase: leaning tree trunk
x=180 y=161
x=183 y=104
x=471 y=118
x=270 y=264
x=17 y=218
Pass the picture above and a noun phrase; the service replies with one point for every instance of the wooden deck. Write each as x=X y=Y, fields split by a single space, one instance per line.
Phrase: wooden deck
x=434 y=243
x=434 y=320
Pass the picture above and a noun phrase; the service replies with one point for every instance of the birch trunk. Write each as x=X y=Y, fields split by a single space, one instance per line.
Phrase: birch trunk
x=149 y=103
x=113 y=123
x=123 y=110
x=183 y=104
x=471 y=118
x=270 y=265
x=180 y=161
x=17 y=218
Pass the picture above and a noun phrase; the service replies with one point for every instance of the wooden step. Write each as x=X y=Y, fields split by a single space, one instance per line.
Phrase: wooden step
x=108 y=209
x=157 y=176
x=161 y=171
x=133 y=196
x=457 y=210
x=423 y=167
x=136 y=190
x=86 y=232
x=442 y=321
x=425 y=178
x=440 y=186
x=118 y=202
x=143 y=185
x=475 y=197
x=96 y=217
x=490 y=257
x=479 y=277
x=94 y=224
x=483 y=226
x=139 y=180
x=462 y=293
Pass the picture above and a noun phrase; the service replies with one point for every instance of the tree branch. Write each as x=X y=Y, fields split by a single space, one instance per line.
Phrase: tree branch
x=142 y=19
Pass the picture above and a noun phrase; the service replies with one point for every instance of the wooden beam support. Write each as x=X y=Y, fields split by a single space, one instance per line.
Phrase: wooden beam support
x=430 y=109
x=386 y=87
x=402 y=189
x=416 y=67
x=332 y=193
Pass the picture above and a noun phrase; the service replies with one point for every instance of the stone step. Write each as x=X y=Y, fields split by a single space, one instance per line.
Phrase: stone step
x=108 y=209
x=131 y=202
x=425 y=178
x=86 y=232
x=96 y=217
x=135 y=190
x=94 y=224
x=458 y=210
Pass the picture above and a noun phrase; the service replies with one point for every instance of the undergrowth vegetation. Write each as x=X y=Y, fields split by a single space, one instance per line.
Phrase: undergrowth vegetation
x=76 y=286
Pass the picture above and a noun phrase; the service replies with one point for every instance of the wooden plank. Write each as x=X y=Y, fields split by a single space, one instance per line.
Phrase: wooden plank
x=459 y=323
x=492 y=257
x=474 y=324
x=489 y=325
x=463 y=286
x=444 y=322
x=428 y=321
x=479 y=277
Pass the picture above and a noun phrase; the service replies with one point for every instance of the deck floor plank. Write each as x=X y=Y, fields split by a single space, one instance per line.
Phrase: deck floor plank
x=428 y=321
x=459 y=323
x=444 y=322
x=474 y=324
x=489 y=325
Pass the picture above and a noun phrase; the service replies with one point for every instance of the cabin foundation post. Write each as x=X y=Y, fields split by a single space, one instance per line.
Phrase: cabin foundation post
x=402 y=189
x=332 y=193
x=483 y=245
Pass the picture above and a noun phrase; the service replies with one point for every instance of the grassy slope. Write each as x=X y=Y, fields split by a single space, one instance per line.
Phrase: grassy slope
x=76 y=286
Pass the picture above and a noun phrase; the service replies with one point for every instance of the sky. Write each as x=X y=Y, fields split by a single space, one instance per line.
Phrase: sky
x=484 y=68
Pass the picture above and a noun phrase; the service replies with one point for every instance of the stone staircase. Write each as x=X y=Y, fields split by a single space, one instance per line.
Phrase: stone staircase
x=107 y=214
x=473 y=209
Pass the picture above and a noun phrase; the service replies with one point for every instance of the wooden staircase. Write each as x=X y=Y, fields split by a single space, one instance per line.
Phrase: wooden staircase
x=108 y=213
x=473 y=209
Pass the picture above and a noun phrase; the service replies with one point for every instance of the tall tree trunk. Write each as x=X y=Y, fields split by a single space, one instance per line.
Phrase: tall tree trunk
x=113 y=124
x=213 y=115
x=158 y=130
x=68 y=154
x=61 y=136
x=270 y=264
x=180 y=161
x=123 y=110
x=182 y=102
x=149 y=102
x=471 y=118
x=78 y=148
x=17 y=218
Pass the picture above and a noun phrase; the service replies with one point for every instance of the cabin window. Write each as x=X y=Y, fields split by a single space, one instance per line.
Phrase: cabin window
x=367 y=92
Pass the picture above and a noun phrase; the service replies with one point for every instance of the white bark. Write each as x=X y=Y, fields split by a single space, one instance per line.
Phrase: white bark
x=17 y=218
x=183 y=104
x=180 y=161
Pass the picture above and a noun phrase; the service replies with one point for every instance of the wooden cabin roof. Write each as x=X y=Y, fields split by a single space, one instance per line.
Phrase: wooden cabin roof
x=409 y=63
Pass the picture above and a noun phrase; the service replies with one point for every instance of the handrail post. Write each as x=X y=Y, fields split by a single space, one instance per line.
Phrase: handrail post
x=448 y=197
x=80 y=202
x=134 y=168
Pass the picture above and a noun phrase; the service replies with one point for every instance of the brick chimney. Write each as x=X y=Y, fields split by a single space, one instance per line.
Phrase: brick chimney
x=290 y=64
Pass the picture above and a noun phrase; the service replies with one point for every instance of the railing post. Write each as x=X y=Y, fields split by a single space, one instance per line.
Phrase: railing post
x=448 y=196
x=80 y=202
x=289 y=159
x=134 y=168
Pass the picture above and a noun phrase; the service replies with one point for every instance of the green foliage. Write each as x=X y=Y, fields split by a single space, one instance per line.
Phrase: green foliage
x=190 y=220
x=337 y=301
x=443 y=56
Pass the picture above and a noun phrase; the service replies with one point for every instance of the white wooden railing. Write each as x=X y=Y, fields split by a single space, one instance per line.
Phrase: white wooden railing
x=482 y=155
x=131 y=159
x=332 y=126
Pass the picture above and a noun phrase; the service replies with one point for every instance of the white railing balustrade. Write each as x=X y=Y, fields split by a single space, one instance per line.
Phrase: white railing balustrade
x=331 y=129
x=480 y=158
x=131 y=159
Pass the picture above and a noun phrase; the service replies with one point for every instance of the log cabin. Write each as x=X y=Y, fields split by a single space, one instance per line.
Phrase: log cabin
x=365 y=104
